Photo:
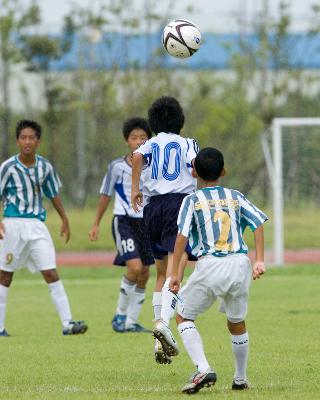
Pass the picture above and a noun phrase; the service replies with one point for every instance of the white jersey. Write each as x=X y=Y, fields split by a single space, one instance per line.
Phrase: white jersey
x=118 y=181
x=22 y=188
x=169 y=164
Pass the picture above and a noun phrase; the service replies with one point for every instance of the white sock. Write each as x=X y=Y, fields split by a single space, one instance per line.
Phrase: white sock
x=193 y=344
x=3 y=305
x=156 y=304
x=136 y=300
x=240 y=348
x=126 y=288
x=169 y=302
x=61 y=302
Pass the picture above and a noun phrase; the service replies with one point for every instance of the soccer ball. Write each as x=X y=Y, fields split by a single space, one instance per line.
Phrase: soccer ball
x=181 y=38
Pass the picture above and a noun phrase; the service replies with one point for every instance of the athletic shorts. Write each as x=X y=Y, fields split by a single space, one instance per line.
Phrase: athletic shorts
x=27 y=243
x=161 y=216
x=132 y=240
x=224 y=278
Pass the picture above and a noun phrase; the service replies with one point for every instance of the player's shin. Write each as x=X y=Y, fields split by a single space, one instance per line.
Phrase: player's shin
x=126 y=288
x=3 y=305
x=61 y=302
x=193 y=344
x=137 y=297
x=240 y=348
x=156 y=304
x=169 y=303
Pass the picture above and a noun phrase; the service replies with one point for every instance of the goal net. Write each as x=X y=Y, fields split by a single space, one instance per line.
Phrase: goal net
x=294 y=169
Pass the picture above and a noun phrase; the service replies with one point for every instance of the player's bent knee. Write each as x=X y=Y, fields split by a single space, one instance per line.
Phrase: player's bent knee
x=236 y=326
x=6 y=278
x=50 y=275
x=180 y=319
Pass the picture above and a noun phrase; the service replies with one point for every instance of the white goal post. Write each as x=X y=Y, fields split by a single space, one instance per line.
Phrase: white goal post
x=277 y=181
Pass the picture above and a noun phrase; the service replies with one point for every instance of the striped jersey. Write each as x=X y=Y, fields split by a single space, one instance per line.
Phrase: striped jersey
x=118 y=181
x=169 y=164
x=22 y=188
x=214 y=219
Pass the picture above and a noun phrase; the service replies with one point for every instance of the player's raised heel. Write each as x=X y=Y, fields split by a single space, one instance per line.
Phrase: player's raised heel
x=198 y=381
x=239 y=385
x=75 y=328
x=163 y=333
x=159 y=354
x=119 y=323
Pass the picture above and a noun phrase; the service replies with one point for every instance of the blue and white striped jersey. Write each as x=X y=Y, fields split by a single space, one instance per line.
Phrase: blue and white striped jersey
x=22 y=188
x=169 y=160
x=118 y=180
x=214 y=219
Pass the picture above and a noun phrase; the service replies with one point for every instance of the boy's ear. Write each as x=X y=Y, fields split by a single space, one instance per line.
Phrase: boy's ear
x=194 y=173
x=223 y=172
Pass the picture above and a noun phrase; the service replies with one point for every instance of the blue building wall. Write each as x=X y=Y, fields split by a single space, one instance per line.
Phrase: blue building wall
x=143 y=51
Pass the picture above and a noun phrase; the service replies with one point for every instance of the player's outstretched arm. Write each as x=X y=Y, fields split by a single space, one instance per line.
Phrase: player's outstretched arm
x=101 y=208
x=259 y=267
x=179 y=249
x=136 y=195
x=65 y=228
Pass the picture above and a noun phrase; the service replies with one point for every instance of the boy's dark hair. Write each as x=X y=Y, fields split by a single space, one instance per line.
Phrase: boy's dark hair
x=166 y=115
x=136 y=123
x=28 y=123
x=209 y=164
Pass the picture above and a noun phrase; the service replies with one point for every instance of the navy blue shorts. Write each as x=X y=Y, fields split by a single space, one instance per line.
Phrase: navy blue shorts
x=161 y=216
x=132 y=240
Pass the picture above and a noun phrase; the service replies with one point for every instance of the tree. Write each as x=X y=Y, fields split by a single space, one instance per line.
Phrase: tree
x=14 y=19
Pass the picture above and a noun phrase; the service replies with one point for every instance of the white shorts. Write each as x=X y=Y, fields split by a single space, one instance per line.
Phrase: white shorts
x=225 y=278
x=27 y=243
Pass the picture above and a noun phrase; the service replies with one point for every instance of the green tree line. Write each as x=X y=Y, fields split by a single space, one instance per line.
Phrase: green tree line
x=84 y=109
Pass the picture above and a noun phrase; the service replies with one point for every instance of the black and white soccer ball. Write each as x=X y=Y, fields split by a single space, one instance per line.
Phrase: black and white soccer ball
x=181 y=38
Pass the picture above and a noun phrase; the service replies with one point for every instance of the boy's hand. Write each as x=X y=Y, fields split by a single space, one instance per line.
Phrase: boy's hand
x=258 y=269
x=1 y=230
x=174 y=284
x=94 y=233
x=136 y=200
x=65 y=230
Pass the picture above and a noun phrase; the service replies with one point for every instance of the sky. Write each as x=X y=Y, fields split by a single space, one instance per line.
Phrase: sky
x=209 y=15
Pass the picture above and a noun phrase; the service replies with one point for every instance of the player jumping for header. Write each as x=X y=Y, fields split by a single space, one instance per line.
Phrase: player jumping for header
x=168 y=179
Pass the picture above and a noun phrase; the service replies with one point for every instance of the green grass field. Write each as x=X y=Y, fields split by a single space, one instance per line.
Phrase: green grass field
x=298 y=234
x=37 y=362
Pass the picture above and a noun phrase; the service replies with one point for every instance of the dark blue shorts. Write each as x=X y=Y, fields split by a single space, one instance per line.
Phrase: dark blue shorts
x=132 y=240
x=161 y=216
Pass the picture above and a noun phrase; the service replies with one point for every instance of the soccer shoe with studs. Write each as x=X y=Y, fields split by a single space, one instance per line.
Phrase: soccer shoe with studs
x=239 y=385
x=137 y=328
x=119 y=323
x=198 y=381
x=4 y=333
x=159 y=354
x=75 y=328
x=163 y=333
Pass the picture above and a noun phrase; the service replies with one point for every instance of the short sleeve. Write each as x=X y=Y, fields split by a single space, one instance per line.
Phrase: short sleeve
x=52 y=184
x=185 y=216
x=192 y=150
x=146 y=150
x=109 y=180
x=250 y=215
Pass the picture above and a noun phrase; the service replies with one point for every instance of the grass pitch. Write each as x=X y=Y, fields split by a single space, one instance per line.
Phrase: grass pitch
x=37 y=362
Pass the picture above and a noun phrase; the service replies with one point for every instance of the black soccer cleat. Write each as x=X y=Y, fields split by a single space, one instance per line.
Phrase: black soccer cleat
x=160 y=356
x=75 y=328
x=198 y=381
x=239 y=386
